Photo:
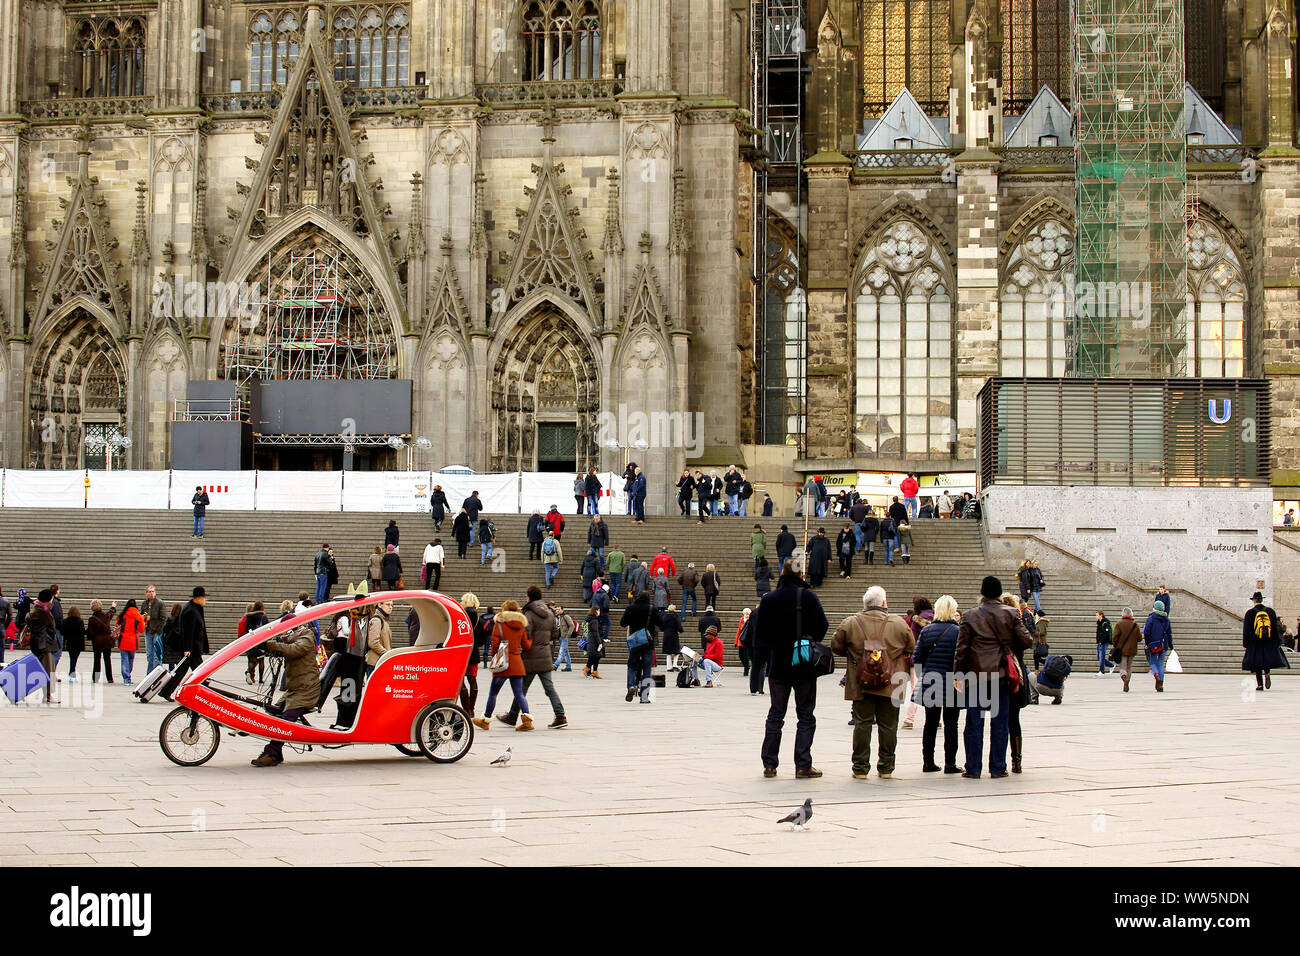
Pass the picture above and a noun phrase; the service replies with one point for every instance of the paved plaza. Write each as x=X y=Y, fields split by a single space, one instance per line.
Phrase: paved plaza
x=1202 y=775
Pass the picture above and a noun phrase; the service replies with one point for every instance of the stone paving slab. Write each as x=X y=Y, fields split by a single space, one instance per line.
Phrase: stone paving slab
x=1195 y=776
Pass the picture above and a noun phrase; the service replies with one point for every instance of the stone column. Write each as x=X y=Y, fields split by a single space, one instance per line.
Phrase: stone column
x=10 y=49
x=1279 y=263
x=976 y=296
x=829 y=362
x=649 y=26
x=451 y=45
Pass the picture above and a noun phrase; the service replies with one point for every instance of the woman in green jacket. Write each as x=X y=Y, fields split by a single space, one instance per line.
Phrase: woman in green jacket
x=758 y=544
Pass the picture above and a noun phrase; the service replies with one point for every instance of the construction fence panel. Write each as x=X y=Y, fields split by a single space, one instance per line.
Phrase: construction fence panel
x=39 y=488
x=128 y=489
x=299 y=491
x=386 y=491
x=227 y=490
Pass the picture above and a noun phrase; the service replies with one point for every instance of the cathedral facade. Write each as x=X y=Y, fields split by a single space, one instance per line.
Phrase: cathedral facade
x=559 y=218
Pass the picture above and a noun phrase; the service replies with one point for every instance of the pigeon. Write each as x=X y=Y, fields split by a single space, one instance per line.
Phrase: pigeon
x=502 y=760
x=799 y=817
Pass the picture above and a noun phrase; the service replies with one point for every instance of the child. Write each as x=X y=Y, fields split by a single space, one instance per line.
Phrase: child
x=595 y=647
x=904 y=532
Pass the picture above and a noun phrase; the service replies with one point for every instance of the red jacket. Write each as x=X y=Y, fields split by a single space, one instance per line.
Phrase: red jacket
x=132 y=627
x=713 y=651
x=556 y=521
x=665 y=562
x=909 y=487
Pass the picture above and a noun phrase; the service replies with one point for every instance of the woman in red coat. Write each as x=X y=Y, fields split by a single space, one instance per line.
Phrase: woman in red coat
x=511 y=629
x=130 y=626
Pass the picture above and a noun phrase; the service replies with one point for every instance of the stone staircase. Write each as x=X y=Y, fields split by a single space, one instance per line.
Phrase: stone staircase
x=247 y=556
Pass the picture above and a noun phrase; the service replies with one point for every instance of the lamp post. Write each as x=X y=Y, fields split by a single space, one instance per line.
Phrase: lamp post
x=114 y=442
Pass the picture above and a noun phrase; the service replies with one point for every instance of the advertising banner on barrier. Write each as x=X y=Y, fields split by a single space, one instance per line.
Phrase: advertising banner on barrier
x=499 y=493
x=227 y=490
x=299 y=490
x=39 y=488
x=128 y=489
x=386 y=491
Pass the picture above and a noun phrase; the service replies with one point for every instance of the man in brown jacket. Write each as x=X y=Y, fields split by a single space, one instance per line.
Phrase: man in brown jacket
x=880 y=705
x=1127 y=638
x=988 y=632
x=544 y=630
x=302 y=676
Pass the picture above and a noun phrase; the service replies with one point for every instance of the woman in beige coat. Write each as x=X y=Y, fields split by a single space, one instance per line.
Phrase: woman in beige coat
x=379 y=635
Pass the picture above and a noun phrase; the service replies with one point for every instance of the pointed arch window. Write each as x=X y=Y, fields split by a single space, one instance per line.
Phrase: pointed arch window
x=108 y=56
x=1035 y=51
x=904 y=332
x=905 y=44
x=1035 y=307
x=345 y=47
x=561 y=40
x=1216 y=303
x=274 y=41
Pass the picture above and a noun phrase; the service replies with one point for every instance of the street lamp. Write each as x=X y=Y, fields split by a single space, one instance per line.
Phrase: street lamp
x=98 y=442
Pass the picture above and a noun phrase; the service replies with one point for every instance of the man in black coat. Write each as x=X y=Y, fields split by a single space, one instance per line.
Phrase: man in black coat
x=785 y=543
x=194 y=640
x=786 y=614
x=593 y=487
x=1261 y=636
x=472 y=505
x=819 y=557
x=536 y=532
x=898 y=511
x=598 y=538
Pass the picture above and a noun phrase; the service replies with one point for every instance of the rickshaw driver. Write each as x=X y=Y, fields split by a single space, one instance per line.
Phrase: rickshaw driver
x=302 y=681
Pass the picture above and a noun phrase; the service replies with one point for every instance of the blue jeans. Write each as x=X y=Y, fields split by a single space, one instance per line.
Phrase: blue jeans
x=734 y=501
x=198 y=524
x=563 y=656
x=1037 y=607
x=551 y=570
x=858 y=536
x=1157 y=664
x=152 y=658
x=473 y=532
x=1102 y=657
x=600 y=553
x=638 y=672
x=593 y=504
x=486 y=550
x=322 y=585
x=128 y=658
x=709 y=667
x=516 y=688
x=629 y=502
x=998 y=736
x=615 y=583
x=890 y=544
x=912 y=505
x=744 y=507
x=604 y=627
x=689 y=593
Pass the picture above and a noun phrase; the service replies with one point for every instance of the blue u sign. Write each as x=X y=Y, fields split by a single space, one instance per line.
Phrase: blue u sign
x=1227 y=411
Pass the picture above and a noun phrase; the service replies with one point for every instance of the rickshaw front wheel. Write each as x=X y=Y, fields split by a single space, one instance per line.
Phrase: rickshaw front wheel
x=444 y=733
x=187 y=738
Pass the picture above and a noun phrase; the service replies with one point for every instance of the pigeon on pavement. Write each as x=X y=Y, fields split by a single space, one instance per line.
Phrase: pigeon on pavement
x=502 y=760
x=799 y=817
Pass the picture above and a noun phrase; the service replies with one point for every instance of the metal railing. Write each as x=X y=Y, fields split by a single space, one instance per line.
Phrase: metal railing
x=209 y=410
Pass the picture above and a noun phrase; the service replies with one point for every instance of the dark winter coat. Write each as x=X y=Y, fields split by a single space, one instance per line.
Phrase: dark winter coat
x=1126 y=637
x=671 y=626
x=637 y=615
x=598 y=535
x=819 y=555
x=592 y=486
x=762 y=579
x=1157 y=633
x=391 y=566
x=472 y=506
x=100 y=631
x=73 y=630
x=936 y=649
x=784 y=616
x=870 y=527
x=845 y=543
x=707 y=621
x=461 y=527
x=590 y=570
x=898 y=511
x=1262 y=654
x=987 y=632
x=439 y=505
x=711 y=583
x=660 y=596
x=42 y=631
x=194 y=631
x=302 y=676
x=685 y=487
x=390 y=536
x=542 y=629
x=536 y=529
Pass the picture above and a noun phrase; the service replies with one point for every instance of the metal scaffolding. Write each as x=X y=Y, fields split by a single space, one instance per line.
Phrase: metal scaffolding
x=322 y=321
x=778 y=43
x=1131 y=180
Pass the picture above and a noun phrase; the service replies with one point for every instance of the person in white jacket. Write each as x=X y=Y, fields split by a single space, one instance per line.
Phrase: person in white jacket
x=433 y=559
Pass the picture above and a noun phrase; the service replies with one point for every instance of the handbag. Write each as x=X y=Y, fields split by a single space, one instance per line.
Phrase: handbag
x=1115 y=656
x=1015 y=676
x=500 y=660
x=638 y=639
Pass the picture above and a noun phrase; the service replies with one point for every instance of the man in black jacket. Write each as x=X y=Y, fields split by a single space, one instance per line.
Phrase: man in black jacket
x=598 y=538
x=785 y=543
x=323 y=565
x=786 y=614
x=536 y=532
x=472 y=505
x=194 y=640
x=593 y=487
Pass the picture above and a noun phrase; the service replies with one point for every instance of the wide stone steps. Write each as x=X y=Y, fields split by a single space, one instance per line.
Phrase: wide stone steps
x=268 y=556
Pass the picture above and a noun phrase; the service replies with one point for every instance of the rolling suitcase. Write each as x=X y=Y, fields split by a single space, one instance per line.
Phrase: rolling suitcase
x=23 y=677
x=153 y=682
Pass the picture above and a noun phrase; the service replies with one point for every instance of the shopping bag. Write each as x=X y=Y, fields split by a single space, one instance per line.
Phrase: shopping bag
x=1173 y=665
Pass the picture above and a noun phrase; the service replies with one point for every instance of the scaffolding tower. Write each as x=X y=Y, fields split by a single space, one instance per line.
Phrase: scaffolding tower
x=778 y=42
x=322 y=321
x=1131 y=181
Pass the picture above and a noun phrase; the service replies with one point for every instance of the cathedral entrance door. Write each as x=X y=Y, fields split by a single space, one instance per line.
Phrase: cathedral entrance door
x=557 y=446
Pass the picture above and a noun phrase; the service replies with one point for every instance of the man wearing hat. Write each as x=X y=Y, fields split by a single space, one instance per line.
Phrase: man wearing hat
x=710 y=660
x=988 y=632
x=194 y=640
x=1261 y=636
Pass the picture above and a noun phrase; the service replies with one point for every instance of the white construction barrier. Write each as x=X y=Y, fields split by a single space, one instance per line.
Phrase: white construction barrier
x=128 y=489
x=38 y=488
x=386 y=491
x=299 y=491
x=227 y=490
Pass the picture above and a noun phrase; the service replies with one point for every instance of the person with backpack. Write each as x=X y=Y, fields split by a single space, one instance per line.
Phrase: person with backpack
x=1050 y=680
x=1261 y=636
x=487 y=533
x=509 y=631
x=877 y=647
x=936 y=647
x=988 y=633
x=1159 y=642
x=1127 y=636
x=552 y=556
x=595 y=643
x=1104 y=632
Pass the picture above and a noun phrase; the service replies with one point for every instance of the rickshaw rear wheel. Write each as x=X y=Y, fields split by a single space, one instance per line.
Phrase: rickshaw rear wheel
x=188 y=739
x=444 y=733
x=411 y=750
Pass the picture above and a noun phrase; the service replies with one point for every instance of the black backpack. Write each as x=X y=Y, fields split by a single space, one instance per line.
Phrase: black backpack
x=683 y=678
x=1055 y=668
